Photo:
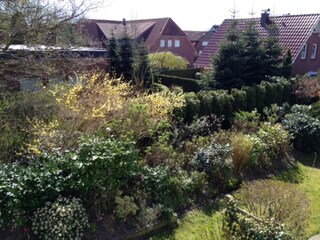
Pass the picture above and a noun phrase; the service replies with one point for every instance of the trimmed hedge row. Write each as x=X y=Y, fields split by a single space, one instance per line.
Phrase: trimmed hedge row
x=225 y=103
x=188 y=84
x=184 y=73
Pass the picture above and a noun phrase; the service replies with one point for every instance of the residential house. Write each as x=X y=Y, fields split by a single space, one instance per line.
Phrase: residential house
x=299 y=33
x=161 y=34
x=200 y=39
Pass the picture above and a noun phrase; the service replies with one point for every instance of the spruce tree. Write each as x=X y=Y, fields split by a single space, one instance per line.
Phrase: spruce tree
x=126 y=57
x=113 y=54
x=252 y=56
x=273 y=51
x=287 y=65
x=228 y=65
x=143 y=71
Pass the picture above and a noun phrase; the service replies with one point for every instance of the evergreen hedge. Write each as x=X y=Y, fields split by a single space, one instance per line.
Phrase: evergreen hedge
x=184 y=73
x=188 y=84
x=225 y=103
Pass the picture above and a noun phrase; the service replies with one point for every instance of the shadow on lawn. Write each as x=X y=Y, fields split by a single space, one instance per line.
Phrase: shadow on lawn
x=307 y=159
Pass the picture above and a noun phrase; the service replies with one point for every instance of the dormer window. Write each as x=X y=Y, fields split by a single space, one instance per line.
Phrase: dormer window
x=314 y=51
x=205 y=43
x=162 y=43
x=304 y=52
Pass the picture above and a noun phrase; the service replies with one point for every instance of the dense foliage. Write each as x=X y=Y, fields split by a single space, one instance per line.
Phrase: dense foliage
x=239 y=226
x=246 y=59
x=304 y=128
x=280 y=202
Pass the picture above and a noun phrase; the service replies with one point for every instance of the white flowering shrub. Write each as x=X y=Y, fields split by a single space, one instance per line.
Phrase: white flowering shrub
x=64 y=219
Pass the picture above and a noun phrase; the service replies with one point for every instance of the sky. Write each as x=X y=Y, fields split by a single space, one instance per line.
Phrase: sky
x=199 y=15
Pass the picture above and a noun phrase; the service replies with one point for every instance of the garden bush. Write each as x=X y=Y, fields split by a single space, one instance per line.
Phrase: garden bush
x=305 y=129
x=240 y=99
x=216 y=162
x=188 y=84
x=241 y=151
x=260 y=97
x=246 y=121
x=239 y=226
x=306 y=90
x=206 y=99
x=192 y=106
x=281 y=202
x=277 y=143
x=63 y=219
x=17 y=112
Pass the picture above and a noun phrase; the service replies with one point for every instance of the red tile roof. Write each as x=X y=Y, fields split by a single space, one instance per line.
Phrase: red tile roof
x=294 y=31
x=195 y=36
x=135 y=28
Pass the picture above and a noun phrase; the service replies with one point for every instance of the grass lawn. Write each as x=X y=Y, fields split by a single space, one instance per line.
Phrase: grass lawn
x=310 y=166
x=204 y=224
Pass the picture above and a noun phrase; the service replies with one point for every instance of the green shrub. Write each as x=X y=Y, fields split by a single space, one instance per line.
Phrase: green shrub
x=305 y=130
x=125 y=206
x=271 y=93
x=240 y=99
x=188 y=84
x=287 y=91
x=184 y=73
x=239 y=226
x=281 y=202
x=315 y=110
x=205 y=99
x=279 y=89
x=192 y=106
x=149 y=216
x=241 y=151
x=103 y=167
x=167 y=60
x=172 y=189
x=63 y=219
x=17 y=111
x=226 y=103
x=216 y=162
x=260 y=97
x=246 y=121
x=277 y=142
x=251 y=98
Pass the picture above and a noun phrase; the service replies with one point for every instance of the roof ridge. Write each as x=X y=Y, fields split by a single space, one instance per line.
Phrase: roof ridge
x=278 y=16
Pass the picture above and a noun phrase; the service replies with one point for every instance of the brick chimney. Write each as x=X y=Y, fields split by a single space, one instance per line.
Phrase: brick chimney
x=265 y=20
x=124 y=22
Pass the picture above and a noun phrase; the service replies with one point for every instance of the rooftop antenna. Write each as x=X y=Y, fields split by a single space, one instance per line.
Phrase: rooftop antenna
x=233 y=11
x=252 y=13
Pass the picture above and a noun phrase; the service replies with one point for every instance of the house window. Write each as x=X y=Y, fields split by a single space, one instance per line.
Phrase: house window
x=176 y=43
x=162 y=43
x=169 y=43
x=205 y=43
x=304 y=52
x=200 y=52
x=314 y=51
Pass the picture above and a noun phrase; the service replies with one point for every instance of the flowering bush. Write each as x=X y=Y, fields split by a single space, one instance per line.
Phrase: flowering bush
x=63 y=219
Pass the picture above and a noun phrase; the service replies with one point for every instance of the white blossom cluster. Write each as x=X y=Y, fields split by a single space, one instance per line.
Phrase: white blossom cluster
x=62 y=220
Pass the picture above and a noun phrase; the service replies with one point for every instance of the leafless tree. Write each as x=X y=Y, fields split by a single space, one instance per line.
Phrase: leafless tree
x=33 y=33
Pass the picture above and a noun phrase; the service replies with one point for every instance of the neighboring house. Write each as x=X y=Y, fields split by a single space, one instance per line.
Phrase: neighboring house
x=159 y=35
x=200 y=39
x=299 y=33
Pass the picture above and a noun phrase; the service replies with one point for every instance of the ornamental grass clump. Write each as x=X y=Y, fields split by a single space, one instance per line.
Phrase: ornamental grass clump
x=63 y=219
